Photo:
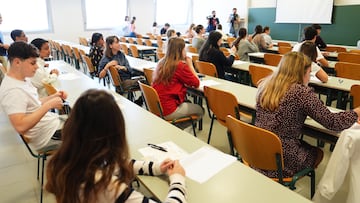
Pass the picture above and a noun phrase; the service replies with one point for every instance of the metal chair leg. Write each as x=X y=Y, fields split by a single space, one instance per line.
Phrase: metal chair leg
x=211 y=126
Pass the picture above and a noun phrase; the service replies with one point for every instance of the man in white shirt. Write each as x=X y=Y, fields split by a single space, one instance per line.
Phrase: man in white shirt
x=310 y=35
x=29 y=115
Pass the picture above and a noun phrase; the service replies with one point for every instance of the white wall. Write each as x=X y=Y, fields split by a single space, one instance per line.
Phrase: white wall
x=272 y=3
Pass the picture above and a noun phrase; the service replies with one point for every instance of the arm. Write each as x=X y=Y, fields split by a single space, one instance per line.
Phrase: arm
x=103 y=68
x=314 y=107
x=322 y=75
x=187 y=73
x=321 y=59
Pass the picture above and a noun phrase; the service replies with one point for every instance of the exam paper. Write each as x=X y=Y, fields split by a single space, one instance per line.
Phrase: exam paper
x=68 y=76
x=208 y=83
x=174 y=152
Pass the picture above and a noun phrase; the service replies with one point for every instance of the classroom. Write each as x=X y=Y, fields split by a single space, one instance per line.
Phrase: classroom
x=315 y=129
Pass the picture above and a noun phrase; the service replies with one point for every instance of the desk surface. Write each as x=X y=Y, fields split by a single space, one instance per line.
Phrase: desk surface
x=236 y=182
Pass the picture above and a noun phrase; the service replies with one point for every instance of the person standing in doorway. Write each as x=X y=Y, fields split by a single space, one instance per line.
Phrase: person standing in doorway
x=212 y=22
x=234 y=20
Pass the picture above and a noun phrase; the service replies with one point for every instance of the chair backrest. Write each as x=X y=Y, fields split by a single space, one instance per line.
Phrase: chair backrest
x=148 y=72
x=284 y=49
x=139 y=41
x=284 y=44
x=206 y=68
x=89 y=64
x=272 y=59
x=148 y=43
x=230 y=40
x=83 y=41
x=191 y=49
x=76 y=53
x=349 y=57
x=355 y=51
x=257 y=73
x=152 y=99
x=115 y=77
x=131 y=40
x=123 y=39
x=49 y=88
x=125 y=49
x=160 y=54
x=134 y=51
x=221 y=103
x=355 y=96
x=256 y=146
x=335 y=49
x=195 y=58
x=348 y=70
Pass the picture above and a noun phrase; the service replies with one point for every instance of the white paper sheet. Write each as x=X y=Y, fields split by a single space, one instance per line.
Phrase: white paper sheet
x=204 y=163
x=68 y=76
x=208 y=83
x=174 y=152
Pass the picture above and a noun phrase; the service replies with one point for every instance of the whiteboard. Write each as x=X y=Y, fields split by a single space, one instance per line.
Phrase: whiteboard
x=304 y=11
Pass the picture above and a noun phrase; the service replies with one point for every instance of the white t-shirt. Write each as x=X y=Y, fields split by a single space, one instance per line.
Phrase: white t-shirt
x=18 y=96
x=41 y=76
x=298 y=46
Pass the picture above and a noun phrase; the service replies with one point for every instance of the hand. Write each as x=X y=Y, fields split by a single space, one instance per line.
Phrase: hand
x=165 y=165
x=177 y=168
x=112 y=63
x=54 y=71
x=233 y=50
x=62 y=94
x=325 y=53
x=55 y=102
x=120 y=67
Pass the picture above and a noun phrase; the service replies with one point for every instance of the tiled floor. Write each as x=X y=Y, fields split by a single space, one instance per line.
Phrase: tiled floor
x=18 y=169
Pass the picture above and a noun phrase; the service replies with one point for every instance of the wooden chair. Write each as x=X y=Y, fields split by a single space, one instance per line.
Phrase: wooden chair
x=206 y=68
x=49 y=88
x=354 y=96
x=77 y=58
x=195 y=58
x=221 y=104
x=272 y=59
x=159 y=55
x=257 y=73
x=148 y=43
x=349 y=57
x=124 y=49
x=134 y=51
x=118 y=84
x=153 y=104
x=348 y=70
x=230 y=40
x=83 y=41
x=284 y=49
x=139 y=41
x=355 y=51
x=123 y=39
x=131 y=40
x=148 y=72
x=191 y=49
x=262 y=149
x=335 y=49
x=284 y=44
x=89 y=65
x=41 y=157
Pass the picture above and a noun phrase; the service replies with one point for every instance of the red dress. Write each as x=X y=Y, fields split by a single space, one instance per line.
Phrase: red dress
x=173 y=94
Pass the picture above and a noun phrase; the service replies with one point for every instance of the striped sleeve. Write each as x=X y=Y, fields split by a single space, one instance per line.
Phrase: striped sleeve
x=146 y=168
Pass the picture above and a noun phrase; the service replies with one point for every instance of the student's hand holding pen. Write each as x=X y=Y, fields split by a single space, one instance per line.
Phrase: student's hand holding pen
x=166 y=164
x=177 y=168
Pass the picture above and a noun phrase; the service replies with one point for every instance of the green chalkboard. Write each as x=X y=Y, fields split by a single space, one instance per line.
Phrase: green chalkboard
x=344 y=30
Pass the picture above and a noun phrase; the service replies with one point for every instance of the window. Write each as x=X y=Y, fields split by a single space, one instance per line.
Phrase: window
x=173 y=12
x=20 y=14
x=104 y=14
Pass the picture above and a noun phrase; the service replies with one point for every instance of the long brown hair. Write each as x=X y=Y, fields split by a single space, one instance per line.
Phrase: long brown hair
x=93 y=140
x=167 y=65
x=108 y=42
x=291 y=70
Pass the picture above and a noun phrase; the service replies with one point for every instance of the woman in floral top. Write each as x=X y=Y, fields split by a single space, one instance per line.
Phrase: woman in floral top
x=283 y=103
x=97 y=49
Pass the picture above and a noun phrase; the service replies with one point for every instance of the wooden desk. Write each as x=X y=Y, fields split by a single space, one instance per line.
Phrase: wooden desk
x=140 y=64
x=143 y=49
x=86 y=49
x=236 y=182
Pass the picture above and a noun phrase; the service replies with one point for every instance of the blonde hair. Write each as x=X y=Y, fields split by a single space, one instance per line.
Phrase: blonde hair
x=167 y=65
x=291 y=70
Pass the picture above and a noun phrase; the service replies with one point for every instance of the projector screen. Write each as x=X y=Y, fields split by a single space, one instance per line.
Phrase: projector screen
x=304 y=11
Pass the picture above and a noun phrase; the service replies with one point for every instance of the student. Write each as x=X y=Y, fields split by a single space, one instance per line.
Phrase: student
x=169 y=33
x=125 y=27
x=164 y=29
x=190 y=33
x=96 y=49
x=173 y=74
x=259 y=40
x=3 y=48
x=211 y=52
x=267 y=37
x=234 y=20
x=244 y=45
x=154 y=29
x=29 y=114
x=310 y=34
x=43 y=75
x=219 y=29
x=284 y=101
x=212 y=22
x=199 y=39
x=104 y=173
x=18 y=35
x=114 y=57
x=133 y=28
x=319 y=41
x=309 y=49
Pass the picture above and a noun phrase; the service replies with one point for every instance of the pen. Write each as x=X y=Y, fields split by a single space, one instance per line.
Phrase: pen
x=157 y=147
